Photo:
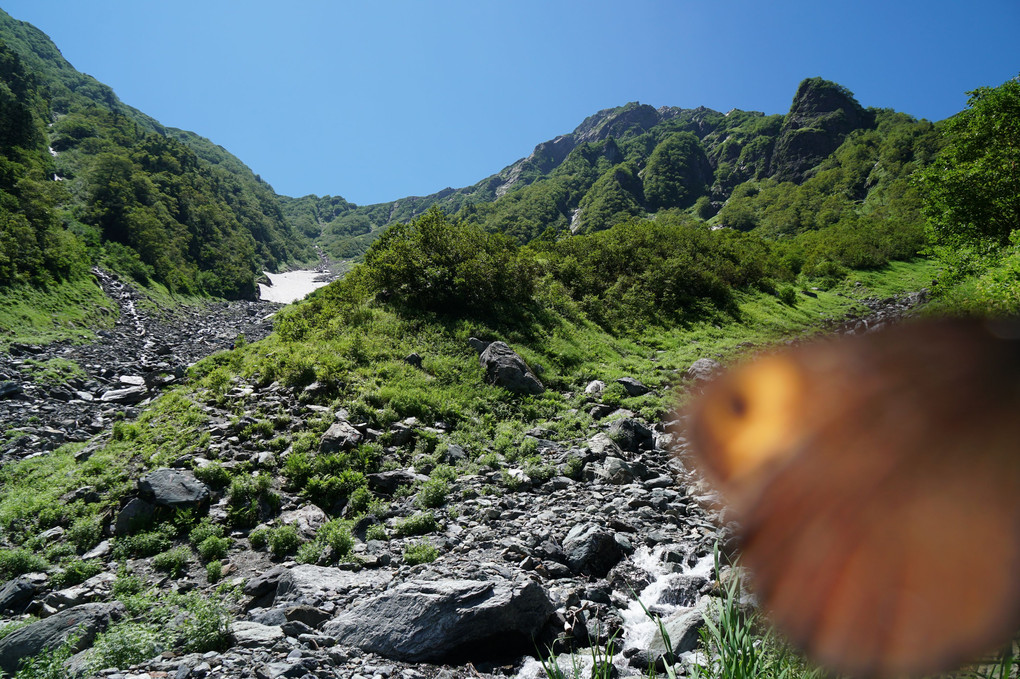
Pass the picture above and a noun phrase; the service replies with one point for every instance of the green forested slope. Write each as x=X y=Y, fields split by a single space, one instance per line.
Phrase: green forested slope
x=828 y=163
x=88 y=179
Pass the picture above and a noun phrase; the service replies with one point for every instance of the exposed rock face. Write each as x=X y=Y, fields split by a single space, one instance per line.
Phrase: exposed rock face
x=445 y=619
x=173 y=488
x=504 y=368
x=821 y=116
x=86 y=621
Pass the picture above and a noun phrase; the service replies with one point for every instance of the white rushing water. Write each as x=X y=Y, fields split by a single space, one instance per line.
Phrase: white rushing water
x=638 y=627
x=292 y=285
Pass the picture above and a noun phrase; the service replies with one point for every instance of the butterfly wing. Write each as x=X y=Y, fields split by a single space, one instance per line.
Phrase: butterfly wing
x=880 y=505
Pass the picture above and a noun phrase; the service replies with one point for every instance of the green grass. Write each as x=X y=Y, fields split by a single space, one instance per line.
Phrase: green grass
x=69 y=310
x=361 y=350
x=53 y=371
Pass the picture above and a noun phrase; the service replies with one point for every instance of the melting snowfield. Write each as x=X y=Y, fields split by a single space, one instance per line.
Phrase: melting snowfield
x=291 y=286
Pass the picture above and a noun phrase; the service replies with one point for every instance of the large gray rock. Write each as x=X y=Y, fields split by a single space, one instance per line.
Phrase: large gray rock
x=632 y=386
x=173 y=488
x=126 y=396
x=504 y=368
x=631 y=435
x=455 y=620
x=703 y=369
x=136 y=514
x=591 y=550
x=307 y=584
x=683 y=628
x=18 y=593
x=84 y=621
x=341 y=435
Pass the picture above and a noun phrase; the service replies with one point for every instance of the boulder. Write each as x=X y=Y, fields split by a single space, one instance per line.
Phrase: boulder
x=446 y=620
x=631 y=435
x=83 y=621
x=591 y=550
x=173 y=488
x=683 y=628
x=307 y=519
x=340 y=436
x=307 y=584
x=8 y=389
x=478 y=345
x=18 y=593
x=253 y=635
x=703 y=370
x=504 y=368
x=386 y=483
x=618 y=472
x=632 y=386
x=126 y=396
x=136 y=514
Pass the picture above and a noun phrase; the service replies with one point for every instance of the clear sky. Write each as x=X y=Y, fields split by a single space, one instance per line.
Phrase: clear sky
x=374 y=100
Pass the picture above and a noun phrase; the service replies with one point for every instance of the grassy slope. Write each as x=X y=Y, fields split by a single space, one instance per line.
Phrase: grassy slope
x=68 y=310
x=363 y=356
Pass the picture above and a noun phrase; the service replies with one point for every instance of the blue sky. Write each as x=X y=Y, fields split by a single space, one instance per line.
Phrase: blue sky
x=379 y=99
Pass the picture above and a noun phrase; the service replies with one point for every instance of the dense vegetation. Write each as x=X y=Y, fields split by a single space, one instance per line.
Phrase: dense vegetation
x=85 y=179
x=827 y=163
x=972 y=203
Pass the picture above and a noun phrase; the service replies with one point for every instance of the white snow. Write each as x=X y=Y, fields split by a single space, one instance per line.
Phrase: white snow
x=292 y=285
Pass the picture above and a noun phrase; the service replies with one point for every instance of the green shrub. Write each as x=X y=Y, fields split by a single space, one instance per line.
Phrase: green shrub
x=205 y=625
x=214 y=475
x=432 y=494
x=75 y=572
x=537 y=471
x=376 y=532
x=574 y=467
x=787 y=294
x=15 y=562
x=214 y=571
x=259 y=538
x=85 y=533
x=420 y=552
x=337 y=535
x=421 y=523
x=172 y=561
x=127 y=584
x=283 y=540
x=142 y=544
x=246 y=497
x=213 y=548
x=205 y=529
x=124 y=644
x=309 y=552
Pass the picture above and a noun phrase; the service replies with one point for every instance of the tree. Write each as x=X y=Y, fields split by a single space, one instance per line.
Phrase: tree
x=677 y=173
x=971 y=193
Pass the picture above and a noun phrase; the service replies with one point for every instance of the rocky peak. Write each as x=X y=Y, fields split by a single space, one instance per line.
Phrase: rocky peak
x=823 y=113
x=634 y=118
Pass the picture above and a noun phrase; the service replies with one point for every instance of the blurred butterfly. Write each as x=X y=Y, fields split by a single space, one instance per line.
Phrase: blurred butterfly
x=876 y=480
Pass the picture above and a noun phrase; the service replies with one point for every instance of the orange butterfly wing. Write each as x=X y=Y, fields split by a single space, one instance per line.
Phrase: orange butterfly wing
x=877 y=480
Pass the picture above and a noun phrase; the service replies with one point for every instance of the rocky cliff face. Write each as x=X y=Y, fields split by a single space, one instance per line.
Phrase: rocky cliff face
x=822 y=115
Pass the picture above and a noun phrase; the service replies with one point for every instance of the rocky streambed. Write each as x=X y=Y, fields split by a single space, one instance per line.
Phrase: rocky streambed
x=53 y=394
x=529 y=564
